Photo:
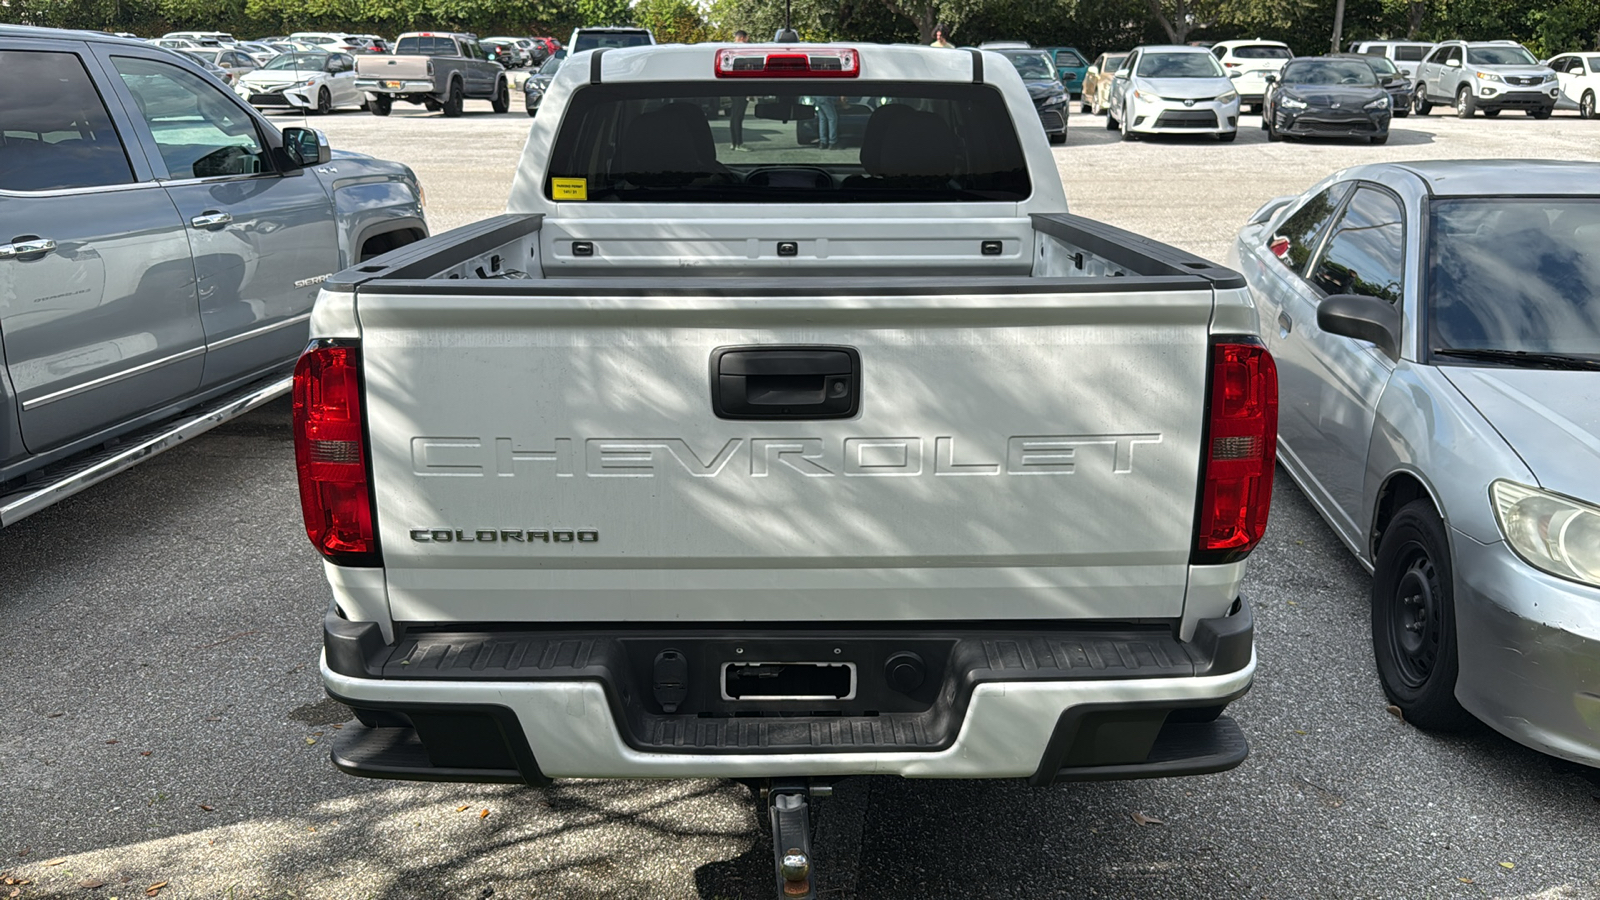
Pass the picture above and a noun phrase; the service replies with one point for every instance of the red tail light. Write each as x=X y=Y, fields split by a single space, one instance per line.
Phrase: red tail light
x=330 y=450
x=788 y=62
x=1241 y=448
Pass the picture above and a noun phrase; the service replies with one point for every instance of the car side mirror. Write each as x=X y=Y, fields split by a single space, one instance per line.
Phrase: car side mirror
x=1453 y=63
x=1120 y=73
x=306 y=147
x=1363 y=318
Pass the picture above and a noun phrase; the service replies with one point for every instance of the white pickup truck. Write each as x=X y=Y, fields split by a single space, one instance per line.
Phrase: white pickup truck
x=791 y=463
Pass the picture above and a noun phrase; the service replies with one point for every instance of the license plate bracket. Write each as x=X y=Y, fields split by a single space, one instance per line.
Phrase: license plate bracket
x=774 y=681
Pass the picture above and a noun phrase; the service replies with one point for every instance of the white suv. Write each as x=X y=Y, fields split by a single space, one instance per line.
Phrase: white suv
x=1404 y=54
x=1253 y=61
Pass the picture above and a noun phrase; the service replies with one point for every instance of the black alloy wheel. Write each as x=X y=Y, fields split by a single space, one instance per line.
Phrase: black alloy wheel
x=324 y=102
x=1413 y=620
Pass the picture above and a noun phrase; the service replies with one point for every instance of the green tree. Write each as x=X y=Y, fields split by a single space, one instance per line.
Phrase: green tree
x=673 y=21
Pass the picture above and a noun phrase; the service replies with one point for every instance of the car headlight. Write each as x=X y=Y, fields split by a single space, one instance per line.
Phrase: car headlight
x=1489 y=76
x=1550 y=77
x=1229 y=97
x=1550 y=532
x=1055 y=99
x=1146 y=96
x=1293 y=103
x=1380 y=103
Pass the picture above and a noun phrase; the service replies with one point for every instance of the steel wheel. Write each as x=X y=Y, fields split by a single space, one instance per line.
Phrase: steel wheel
x=1413 y=619
x=1586 y=105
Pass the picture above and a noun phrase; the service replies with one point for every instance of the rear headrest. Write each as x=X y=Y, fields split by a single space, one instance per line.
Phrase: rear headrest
x=917 y=145
x=667 y=147
x=878 y=128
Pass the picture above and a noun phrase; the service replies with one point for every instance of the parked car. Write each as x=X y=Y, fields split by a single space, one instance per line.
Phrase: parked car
x=1049 y=94
x=797 y=522
x=535 y=85
x=1070 y=67
x=1406 y=55
x=1393 y=81
x=310 y=82
x=163 y=246
x=1097 y=81
x=1005 y=45
x=1485 y=75
x=202 y=38
x=1173 y=90
x=330 y=41
x=183 y=44
x=1579 y=77
x=608 y=37
x=501 y=52
x=1319 y=96
x=261 y=53
x=1438 y=345
x=235 y=63
x=521 y=55
x=1253 y=60
x=438 y=70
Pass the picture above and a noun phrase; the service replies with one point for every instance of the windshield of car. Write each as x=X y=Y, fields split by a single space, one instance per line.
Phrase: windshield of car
x=1515 y=274
x=425 y=46
x=1500 y=56
x=551 y=65
x=1411 y=52
x=209 y=56
x=1329 y=72
x=1261 y=51
x=665 y=142
x=304 y=61
x=1033 y=66
x=1114 y=63
x=1381 y=65
x=590 y=40
x=1179 y=65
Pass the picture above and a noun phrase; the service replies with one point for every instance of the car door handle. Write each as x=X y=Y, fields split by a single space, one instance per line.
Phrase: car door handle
x=1285 y=324
x=29 y=247
x=211 y=219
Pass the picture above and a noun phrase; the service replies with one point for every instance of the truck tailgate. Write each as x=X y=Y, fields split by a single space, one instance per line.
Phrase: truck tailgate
x=549 y=451
x=397 y=68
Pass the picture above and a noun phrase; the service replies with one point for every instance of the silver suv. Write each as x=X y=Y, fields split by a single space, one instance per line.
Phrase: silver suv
x=1486 y=75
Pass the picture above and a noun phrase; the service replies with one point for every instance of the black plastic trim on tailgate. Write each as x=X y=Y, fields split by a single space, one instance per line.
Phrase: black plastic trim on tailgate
x=1134 y=252
x=957 y=657
x=435 y=253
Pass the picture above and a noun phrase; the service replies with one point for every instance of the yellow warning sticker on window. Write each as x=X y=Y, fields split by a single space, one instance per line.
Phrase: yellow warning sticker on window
x=569 y=189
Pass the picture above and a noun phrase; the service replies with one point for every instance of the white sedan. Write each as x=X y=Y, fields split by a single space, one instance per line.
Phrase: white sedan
x=1579 y=74
x=1173 y=90
x=312 y=82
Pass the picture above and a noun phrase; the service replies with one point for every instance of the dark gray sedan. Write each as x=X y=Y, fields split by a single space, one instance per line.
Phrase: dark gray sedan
x=1326 y=97
x=535 y=85
x=1437 y=331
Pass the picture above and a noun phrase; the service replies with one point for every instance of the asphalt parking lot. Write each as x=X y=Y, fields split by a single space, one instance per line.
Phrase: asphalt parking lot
x=165 y=724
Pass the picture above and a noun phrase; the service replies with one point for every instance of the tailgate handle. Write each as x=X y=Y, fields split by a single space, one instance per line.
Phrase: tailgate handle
x=785 y=382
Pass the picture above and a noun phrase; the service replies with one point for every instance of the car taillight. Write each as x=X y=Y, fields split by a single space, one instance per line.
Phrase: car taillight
x=788 y=62
x=330 y=451
x=1240 y=449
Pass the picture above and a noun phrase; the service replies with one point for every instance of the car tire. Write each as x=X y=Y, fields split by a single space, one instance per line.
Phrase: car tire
x=1058 y=138
x=1465 y=105
x=1083 y=106
x=1122 y=124
x=380 y=106
x=1586 y=106
x=1227 y=137
x=1111 y=121
x=1491 y=113
x=1419 y=101
x=1413 y=620
x=1273 y=134
x=1400 y=112
x=452 y=107
x=1378 y=139
x=532 y=113
x=1542 y=113
x=501 y=101
x=324 y=103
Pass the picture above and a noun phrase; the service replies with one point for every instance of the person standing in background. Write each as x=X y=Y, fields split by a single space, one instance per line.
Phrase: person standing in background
x=827 y=121
x=736 y=113
x=941 y=37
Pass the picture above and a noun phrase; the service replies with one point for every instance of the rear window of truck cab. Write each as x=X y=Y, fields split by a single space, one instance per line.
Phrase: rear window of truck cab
x=790 y=141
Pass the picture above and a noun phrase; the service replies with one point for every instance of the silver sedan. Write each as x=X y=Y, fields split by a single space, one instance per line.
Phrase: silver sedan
x=1437 y=331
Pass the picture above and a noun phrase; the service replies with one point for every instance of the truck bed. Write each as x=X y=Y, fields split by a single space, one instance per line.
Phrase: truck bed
x=546 y=447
